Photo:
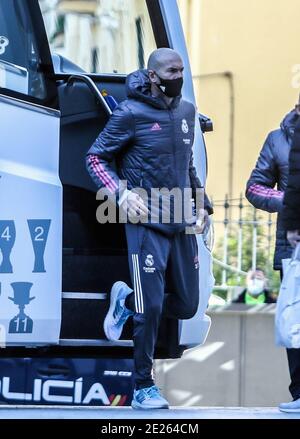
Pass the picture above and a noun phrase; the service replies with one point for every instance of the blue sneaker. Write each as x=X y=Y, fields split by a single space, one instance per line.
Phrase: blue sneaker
x=148 y=398
x=117 y=312
x=290 y=407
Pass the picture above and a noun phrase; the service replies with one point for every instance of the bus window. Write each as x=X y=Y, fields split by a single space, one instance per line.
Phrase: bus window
x=102 y=36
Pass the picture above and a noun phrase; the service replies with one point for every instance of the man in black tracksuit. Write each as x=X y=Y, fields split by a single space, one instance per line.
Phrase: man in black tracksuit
x=150 y=136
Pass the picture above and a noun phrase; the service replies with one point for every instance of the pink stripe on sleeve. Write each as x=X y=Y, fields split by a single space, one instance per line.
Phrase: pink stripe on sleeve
x=102 y=174
x=264 y=191
x=111 y=180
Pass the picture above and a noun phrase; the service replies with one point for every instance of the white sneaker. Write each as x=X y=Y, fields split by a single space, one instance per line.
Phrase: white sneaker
x=290 y=407
x=149 y=398
x=117 y=313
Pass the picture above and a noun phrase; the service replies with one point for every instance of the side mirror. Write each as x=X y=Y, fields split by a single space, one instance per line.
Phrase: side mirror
x=205 y=123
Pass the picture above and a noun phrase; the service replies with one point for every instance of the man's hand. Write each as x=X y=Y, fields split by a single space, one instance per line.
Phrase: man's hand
x=202 y=222
x=134 y=205
x=293 y=236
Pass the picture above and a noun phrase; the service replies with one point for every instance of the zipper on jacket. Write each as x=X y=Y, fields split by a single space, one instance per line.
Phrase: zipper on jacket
x=141 y=179
x=171 y=115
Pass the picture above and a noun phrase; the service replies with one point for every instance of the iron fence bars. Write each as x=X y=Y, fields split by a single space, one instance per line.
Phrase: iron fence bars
x=244 y=239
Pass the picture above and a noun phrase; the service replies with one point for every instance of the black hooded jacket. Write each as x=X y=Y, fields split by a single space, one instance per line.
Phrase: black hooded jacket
x=272 y=170
x=150 y=142
x=291 y=202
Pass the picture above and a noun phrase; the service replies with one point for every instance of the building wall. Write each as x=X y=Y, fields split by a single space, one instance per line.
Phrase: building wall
x=257 y=42
x=239 y=364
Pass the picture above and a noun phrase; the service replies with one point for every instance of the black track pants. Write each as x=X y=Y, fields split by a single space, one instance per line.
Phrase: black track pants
x=155 y=258
x=294 y=366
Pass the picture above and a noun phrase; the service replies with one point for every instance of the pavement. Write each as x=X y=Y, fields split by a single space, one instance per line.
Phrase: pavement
x=82 y=412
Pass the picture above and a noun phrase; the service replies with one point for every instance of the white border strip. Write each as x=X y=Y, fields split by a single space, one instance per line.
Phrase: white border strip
x=83 y=295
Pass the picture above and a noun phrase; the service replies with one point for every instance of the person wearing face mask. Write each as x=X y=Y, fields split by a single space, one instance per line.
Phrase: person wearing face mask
x=150 y=137
x=256 y=290
x=272 y=169
x=291 y=225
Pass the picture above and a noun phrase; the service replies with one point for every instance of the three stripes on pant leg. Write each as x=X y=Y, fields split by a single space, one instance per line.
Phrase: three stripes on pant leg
x=138 y=292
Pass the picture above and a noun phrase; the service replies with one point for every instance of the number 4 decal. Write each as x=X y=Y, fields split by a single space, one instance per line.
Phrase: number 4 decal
x=5 y=234
x=7 y=241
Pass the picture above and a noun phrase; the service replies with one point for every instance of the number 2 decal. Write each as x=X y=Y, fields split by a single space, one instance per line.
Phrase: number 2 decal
x=39 y=233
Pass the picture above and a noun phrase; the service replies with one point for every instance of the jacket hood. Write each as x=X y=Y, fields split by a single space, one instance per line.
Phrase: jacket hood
x=138 y=87
x=288 y=124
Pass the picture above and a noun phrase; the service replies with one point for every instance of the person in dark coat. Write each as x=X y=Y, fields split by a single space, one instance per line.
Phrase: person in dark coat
x=271 y=170
x=256 y=291
x=291 y=202
x=150 y=135
x=291 y=225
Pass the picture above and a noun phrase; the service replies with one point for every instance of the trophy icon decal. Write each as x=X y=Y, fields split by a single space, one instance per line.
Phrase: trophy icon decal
x=39 y=233
x=21 y=323
x=7 y=241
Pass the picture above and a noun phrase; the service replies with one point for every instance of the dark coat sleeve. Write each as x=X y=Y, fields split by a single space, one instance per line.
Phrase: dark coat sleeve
x=196 y=184
x=117 y=134
x=291 y=202
x=259 y=191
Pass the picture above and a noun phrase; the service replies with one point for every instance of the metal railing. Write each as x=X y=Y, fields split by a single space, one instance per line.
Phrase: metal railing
x=244 y=239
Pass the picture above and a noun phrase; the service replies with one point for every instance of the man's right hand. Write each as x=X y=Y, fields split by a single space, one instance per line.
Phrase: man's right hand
x=293 y=236
x=203 y=221
x=134 y=205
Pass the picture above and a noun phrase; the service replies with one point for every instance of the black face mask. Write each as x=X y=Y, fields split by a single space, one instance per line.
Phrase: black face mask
x=170 y=87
